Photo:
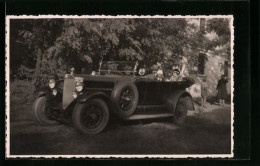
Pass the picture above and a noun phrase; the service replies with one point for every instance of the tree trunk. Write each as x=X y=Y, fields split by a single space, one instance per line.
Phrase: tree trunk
x=38 y=66
x=55 y=57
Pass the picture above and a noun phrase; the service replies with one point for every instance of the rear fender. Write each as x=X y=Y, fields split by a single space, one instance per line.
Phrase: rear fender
x=82 y=98
x=173 y=99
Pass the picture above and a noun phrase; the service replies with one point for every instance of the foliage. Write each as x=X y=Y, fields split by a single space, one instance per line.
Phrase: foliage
x=53 y=46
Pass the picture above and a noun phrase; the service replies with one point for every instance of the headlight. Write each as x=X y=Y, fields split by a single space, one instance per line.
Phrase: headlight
x=79 y=86
x=54 y=92
x=74 y=95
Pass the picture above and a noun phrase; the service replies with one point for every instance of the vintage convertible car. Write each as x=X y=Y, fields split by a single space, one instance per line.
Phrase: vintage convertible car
x=88 y=101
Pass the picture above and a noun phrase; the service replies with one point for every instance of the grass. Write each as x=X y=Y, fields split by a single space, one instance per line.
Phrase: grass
x=211 y=100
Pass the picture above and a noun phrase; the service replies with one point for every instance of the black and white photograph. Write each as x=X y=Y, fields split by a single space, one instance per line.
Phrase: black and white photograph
x=126 y=86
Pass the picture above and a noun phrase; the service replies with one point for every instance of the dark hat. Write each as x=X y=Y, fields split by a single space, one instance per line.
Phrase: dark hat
x=176 y=71
x=79 y=84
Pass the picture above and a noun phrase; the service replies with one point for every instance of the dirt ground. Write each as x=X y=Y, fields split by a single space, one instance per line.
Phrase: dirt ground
x=206 y=131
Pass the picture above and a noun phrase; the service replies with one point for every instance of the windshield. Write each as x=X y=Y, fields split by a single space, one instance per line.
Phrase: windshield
x=117 y=67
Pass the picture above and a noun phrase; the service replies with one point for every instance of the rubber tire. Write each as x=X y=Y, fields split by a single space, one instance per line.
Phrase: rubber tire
x=182 y=108
x=78 y=110
x=41 y=117
x=115 y=95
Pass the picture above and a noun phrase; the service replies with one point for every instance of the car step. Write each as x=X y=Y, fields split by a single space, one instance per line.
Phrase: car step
x=136 y=117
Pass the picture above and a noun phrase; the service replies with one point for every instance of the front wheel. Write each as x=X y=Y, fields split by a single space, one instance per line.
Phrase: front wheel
x=91 y=117
x=40 y=112
x=180 y=112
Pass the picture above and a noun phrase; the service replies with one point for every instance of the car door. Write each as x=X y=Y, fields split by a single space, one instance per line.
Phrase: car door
x=153 y=93
x=141 y=85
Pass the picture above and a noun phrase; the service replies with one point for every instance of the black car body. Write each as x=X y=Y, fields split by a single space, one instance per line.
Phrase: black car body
x=113 y=92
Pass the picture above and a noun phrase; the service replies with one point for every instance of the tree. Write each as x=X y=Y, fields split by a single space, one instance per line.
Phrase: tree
x=221 y=43
x=55 y=45
x=37 y=35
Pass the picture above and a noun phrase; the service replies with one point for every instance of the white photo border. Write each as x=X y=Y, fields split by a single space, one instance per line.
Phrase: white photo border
x=173 y=156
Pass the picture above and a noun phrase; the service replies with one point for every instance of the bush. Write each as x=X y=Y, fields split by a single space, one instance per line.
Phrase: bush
x=21 y=89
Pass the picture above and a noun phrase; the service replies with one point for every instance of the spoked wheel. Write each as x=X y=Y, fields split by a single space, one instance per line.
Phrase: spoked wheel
x=40 y=112
x=180 y=112
x=125 y=98
x=91 y=117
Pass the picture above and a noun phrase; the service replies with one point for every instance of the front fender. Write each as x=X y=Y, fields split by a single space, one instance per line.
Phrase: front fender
x=91 y=94
x=173 y=99
x=42 y=91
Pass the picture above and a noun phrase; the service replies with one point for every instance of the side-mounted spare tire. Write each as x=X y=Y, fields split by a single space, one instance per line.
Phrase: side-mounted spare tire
x=91 y=117
x=125 y=98
x=40 y=114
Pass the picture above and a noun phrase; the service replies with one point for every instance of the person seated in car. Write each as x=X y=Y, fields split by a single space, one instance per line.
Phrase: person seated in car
x=159 y=75
x=176 y=75
x=93 y=72
x=168 y=76
x=127 y=70
x=141 y=71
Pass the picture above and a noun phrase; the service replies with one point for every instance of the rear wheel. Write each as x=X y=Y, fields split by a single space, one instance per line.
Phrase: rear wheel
x=91 y=117
x=40 y=112
x=180 y=112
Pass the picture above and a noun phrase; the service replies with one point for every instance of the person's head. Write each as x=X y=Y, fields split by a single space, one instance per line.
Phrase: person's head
x=72 y=69
x=52 y=83
x=93 y=73
x=222 y=76
x=159 y=73
x=79 y=86
x=141 y=71
x=169 y=74
x=175 y=72
x=128 y=72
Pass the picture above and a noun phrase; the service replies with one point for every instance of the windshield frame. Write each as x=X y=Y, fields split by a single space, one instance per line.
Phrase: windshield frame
x=116 y=71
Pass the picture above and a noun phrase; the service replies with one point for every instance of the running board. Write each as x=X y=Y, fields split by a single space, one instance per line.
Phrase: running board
x=136 y=117
x=150 y=106
x=151 y=110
